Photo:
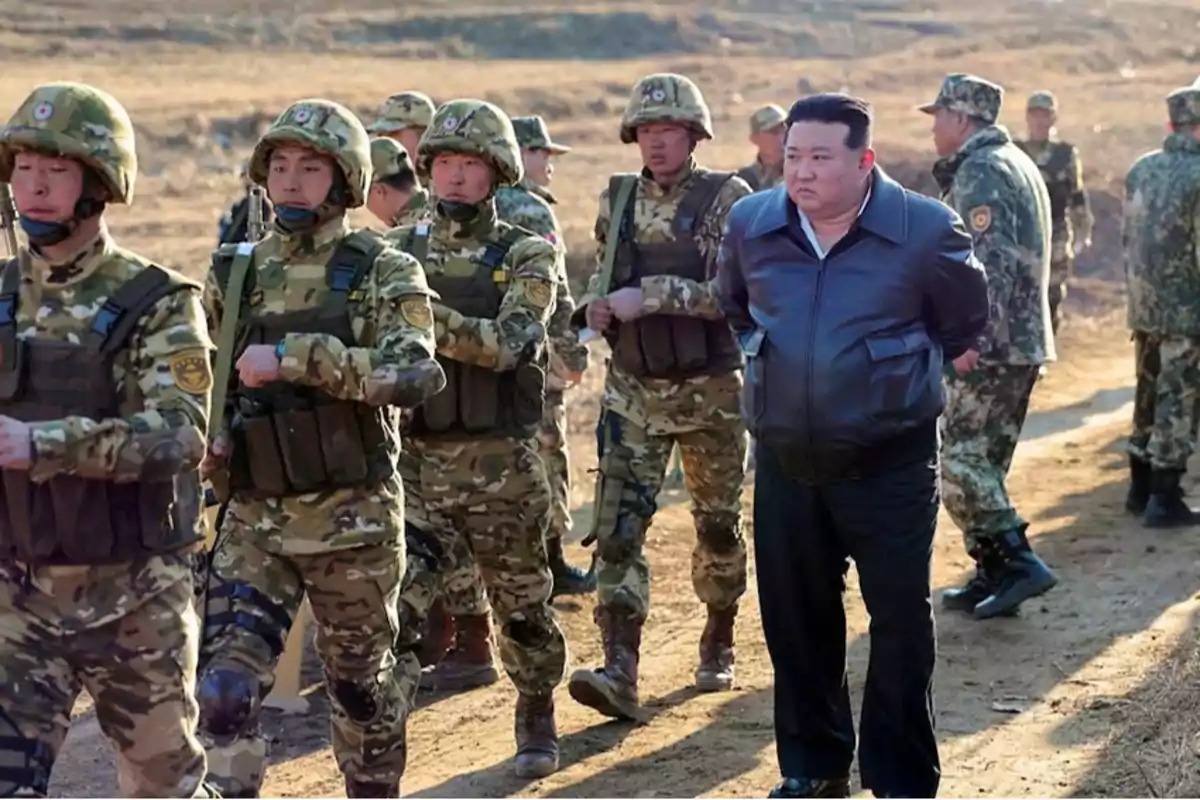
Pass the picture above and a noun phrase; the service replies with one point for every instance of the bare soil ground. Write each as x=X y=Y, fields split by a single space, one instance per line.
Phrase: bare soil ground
x=1091 y=691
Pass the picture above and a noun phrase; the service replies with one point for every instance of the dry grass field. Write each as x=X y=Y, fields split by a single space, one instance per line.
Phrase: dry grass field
x=1092 y=691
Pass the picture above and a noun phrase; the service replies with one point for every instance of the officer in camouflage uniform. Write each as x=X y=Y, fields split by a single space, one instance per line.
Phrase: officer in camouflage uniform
x=332 y=334
x=396 y=197
x=675 y=378
x=1162 y=246
x=1070 y=214
x=767 y=129
x=472 y=469
x=404 y=117
x=998 y=190
x=104 y=382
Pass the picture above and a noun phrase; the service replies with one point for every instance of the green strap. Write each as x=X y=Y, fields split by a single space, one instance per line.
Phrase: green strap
x=616 y=212
x=228 y=332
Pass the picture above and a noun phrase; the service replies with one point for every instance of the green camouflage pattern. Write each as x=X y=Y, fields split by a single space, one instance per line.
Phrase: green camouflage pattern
x=1043 y=100
x=353 y=595
x=999 y=192
x=985 y=410
x=128 y=635
x=388 y=159
x=1164 y=406
x=290 y=274
x=473 y=127
x=418 y=210
x=1161 y=239
x=767 y=118
x=1183 y=106
x=532 y=134
x=759 y=176
x=666 y=97
x=968 y=94
x=326 y=127
x=403 y=110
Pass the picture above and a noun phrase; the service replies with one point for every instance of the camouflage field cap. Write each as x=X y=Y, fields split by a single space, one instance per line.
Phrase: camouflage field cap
x=970 y=95
x=77 y=121
x=532 y=134
x=473 y=127
x=767 y=118
x=388 y=159
x=1183 y=106
x=665 y=97
x=1044 y=100
x=328 y=128
x=403 y=110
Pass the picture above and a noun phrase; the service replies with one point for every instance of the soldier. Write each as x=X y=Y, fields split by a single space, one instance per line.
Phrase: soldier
x=1070 y=214
x=1161 y=239
x=103 y=412
x=332 y=335
x=396 y=197
x=998 y=190
x=404 y=117
x=234 y=224
x=766 y=134
x=674 y=378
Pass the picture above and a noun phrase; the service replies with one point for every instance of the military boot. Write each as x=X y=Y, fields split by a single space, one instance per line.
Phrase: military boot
x=989 y=566
x=537 y=736
x=568 y=579
x=715 y=673
x=1166 y=508
x=1023 y=576
x=356 y=788
x=612 y=689
x=438 y=637
x=469 y=665
x=1139 y=486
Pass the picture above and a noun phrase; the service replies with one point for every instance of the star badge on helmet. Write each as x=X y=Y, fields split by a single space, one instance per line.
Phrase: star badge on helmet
x=302 y=114
x=658 y=95
x=43 y=111
x=450 y=124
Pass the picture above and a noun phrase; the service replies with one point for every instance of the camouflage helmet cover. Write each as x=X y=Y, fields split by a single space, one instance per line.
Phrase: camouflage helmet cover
x=388 y=158
x=78 y=121
x=328 y=128
x=666 y=97
x=403 y=110
x=472 y=127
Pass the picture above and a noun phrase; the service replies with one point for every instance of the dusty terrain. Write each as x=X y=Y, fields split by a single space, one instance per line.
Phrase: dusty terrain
x=1091 y=691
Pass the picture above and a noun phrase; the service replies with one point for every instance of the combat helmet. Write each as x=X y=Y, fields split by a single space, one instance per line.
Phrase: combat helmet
x=666 y=97
x=328 y=128
x=473 y=127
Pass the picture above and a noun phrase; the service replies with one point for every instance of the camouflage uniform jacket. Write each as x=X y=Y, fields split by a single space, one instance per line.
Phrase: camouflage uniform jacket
x=524 y=207
x=417 y=210
x=393 y=329
x=759 y=176
x=1000 y=193
x=1070 y=211
x=661 y=405
x=1161 y=238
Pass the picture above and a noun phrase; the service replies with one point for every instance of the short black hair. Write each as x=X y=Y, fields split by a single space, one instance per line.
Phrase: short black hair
x=833 y=107
x=405 y=180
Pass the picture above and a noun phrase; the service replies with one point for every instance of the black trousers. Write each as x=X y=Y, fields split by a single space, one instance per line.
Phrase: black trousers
x=804 y=536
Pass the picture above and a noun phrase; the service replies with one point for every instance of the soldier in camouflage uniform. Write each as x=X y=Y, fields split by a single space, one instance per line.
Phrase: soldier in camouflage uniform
x=396 y=197
x=675 y=378
x=472 y=471
x=766 y=134
x=998 y=190
x=1161 y=238
x=104 y=386
x=1070 y=214
x=404 y=117
x=332 y=334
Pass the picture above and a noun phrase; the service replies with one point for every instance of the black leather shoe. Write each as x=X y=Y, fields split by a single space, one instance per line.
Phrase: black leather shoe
x=812 y=787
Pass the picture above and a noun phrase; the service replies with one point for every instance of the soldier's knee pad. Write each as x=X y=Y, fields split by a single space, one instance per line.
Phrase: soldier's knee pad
x=359 y=702
x=24 y=763
x=719 y=532
x=531 y=630
x=229 y=701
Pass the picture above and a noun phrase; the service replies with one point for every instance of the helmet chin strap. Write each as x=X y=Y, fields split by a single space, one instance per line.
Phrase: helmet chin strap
x=299 y=220
x=48 y=234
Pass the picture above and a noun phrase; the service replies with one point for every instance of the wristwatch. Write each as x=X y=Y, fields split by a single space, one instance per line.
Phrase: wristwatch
x=279 y=349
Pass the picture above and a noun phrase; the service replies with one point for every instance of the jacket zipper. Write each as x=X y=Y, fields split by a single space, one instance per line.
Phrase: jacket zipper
x=808 y=355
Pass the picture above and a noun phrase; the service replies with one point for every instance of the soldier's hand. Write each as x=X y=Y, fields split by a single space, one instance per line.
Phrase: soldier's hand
x=219 y=451
x=16 y=444
x=628 y=303
x=966 y=362
x=599 y=315
x=258 y=366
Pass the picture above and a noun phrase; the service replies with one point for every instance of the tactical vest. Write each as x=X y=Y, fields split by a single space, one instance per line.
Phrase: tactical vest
x=750 y=176
x=670 y=345
x=291 y=440
x=70 y=520
x=478 y=402
x=1056 y=173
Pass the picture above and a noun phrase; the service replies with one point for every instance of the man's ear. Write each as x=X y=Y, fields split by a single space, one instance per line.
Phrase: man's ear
x=868 y=159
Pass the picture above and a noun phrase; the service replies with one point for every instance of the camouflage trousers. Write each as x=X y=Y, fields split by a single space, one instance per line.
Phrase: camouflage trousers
x=463 y=586
x=253 y=596
x=632 y=467
x=1165 y=401
x=488 y=499
x=981 y=426
x=126 y=633
x=1061 y=270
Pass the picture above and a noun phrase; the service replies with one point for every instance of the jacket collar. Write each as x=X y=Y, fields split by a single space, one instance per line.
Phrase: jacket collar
x=885 y=215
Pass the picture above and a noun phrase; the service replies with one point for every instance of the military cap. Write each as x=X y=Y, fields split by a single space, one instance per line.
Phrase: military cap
x=1044 y=100
x=388 y=159
x=1183 y=106
x=403 y=110
x=970 y=95
x=767 y=118
x=532 y=134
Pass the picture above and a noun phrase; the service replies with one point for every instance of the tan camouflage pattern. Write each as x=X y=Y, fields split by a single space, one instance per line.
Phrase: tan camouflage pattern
x=128 y=635
x=291 y=274
x=326 y=127
x=759 y=176
x=666 y=97
x=1164 y=410
x=388 y=159
x=1044 y=100
x=970 y=95
x=77 y=120
x=477 y=128
x=418 y=210
x=767 y=118
x=1183 y=106
x=1161 y=239
x=532 y=134
x=403 y=110
x=353 y=595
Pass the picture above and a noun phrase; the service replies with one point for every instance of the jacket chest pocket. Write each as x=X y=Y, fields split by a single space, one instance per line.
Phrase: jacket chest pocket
x=754 y=395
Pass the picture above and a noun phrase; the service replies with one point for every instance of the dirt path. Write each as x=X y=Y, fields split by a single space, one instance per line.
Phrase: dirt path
x=1027 y=706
